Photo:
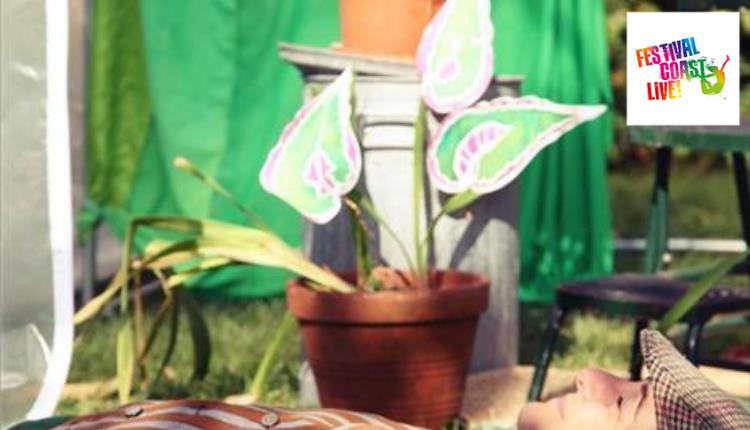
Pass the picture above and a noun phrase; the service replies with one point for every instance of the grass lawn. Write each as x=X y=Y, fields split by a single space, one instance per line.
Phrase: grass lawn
x=702 y=206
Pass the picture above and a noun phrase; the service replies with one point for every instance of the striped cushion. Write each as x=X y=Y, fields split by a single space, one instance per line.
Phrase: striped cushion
x=211 y=415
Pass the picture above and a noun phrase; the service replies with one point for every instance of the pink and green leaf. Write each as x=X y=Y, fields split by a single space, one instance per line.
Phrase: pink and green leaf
x=455 y=57
x=317 y=158
x=483 y=148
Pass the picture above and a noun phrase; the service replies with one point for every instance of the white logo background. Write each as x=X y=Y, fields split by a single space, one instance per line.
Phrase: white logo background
x=716 y=36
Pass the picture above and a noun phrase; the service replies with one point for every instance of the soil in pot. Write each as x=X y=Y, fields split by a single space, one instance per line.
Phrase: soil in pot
x=401 y=353
x=385 y=27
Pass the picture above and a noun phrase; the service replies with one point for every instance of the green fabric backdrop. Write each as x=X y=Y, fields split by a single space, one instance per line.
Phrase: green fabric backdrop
x=564 y=221
x=202 y=79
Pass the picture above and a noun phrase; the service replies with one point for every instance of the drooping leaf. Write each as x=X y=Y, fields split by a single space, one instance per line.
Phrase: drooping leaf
x=698 y=290
x=483 y=148
x=252 y=246
x=317 y=159
x=214 y=244
x=174 y=327
x=206 y=265
x=125 y=360
x=160 y=254
x=159 y=318
x=455 y=57
x=188 y=167
x=199 y=334
x=95 y=305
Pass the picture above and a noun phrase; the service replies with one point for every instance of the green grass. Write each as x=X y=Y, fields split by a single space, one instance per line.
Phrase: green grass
x=239 y=333
x=703 y=205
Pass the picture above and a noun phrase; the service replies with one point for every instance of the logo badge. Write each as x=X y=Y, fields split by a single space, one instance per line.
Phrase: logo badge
x=683 y=68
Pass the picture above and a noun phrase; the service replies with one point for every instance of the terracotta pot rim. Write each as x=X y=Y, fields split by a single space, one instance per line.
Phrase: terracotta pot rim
x=458 y=295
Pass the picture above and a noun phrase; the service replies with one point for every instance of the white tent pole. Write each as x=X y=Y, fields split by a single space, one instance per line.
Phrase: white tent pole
x=59 y=206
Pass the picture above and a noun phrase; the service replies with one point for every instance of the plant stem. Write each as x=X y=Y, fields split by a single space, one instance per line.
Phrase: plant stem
x=367 y=205
x=125 y=265
x=138 y=318
x=258 y=385
x=418 y=184
x=456 y=202
x=361 y=249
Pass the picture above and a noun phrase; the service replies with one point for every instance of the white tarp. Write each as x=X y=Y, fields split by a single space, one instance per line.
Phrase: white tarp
x=36 y=291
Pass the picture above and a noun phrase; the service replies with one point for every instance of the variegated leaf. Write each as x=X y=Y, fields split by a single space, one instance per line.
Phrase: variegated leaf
x=455 y=57
x=484 y=148
x=318 y=158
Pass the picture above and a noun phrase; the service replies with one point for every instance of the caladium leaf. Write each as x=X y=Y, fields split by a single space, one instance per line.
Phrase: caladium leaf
x=484 y=148
x=318 y=158
x=455 y=57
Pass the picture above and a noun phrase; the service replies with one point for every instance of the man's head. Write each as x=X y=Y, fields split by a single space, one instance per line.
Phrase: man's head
x=676 y=396
x=600 y=401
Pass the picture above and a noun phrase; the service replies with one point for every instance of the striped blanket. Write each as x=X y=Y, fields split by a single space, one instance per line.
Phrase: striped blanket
x=211 y=415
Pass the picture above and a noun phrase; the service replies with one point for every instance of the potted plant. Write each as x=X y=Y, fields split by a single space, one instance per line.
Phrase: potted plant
x=395 y=341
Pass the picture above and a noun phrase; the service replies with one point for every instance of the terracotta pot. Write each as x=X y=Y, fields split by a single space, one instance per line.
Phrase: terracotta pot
x=401 y=354
x=385 y=27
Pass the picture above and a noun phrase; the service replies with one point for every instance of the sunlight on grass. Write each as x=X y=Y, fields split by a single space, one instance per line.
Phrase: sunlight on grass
x=592 y=341
x=239 y=333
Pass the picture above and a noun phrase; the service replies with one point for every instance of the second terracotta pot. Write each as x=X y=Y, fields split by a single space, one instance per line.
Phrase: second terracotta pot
x=390 y=28
x=401 y=354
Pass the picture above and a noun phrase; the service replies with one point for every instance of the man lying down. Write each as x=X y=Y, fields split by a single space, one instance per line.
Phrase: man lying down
x=674 y=397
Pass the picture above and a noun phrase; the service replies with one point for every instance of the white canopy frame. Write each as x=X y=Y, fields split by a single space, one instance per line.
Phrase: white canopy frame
x=59 y=195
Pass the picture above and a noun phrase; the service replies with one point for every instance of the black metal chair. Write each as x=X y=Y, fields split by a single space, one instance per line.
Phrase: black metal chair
x=647 y=297
x=644 y=298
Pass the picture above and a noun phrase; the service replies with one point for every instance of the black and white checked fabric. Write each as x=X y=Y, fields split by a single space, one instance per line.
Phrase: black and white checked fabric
x=685 y=399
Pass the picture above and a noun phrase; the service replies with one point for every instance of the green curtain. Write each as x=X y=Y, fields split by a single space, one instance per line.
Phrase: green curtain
x=564 y=222
x=117 y=108
x=219 y=94
x=202 y=79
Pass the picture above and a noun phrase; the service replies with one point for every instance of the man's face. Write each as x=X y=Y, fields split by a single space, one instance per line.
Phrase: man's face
x=601 y=401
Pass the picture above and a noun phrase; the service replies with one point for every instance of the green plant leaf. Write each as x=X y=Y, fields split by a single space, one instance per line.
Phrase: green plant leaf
x=459 y=201
x=161 y=254
x=695 y=293
x=206 y=265
x=125 y=360
x=361 y=249
x=456 y=57
x=95 y=305
x=257 y=247
x=199 y=334
x=454 y=203
x=174 y=327
x=217 y=244
x=317 y=158
x=187 y=166
x=259 y=381
x=483 y=148
x=159 y=318
x=169 y=222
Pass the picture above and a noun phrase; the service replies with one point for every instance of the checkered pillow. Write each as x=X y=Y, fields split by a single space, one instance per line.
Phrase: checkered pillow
x=685 y=399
